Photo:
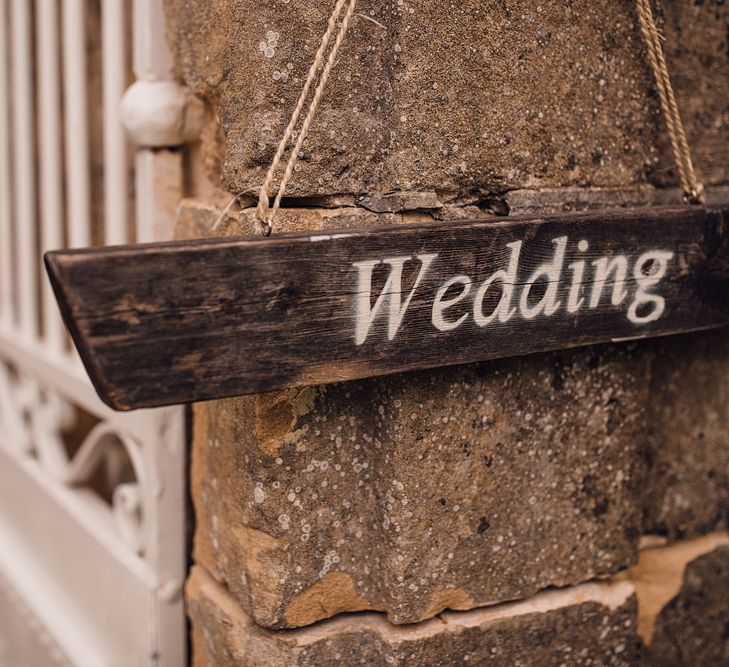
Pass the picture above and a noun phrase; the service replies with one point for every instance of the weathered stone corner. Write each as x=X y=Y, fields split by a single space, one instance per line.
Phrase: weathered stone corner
x=447 y=489
x=590 y=624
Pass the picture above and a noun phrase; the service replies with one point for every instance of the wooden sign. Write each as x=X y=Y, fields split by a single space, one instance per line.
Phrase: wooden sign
x=187 y=321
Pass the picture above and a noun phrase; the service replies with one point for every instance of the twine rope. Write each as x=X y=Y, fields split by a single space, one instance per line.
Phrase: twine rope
x=265 y=214
x=693 y=190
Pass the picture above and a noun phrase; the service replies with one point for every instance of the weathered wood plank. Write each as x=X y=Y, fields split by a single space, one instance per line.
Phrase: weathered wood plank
x=187 y=321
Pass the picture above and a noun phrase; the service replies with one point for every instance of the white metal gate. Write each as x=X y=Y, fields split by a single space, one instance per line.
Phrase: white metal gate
x=92 y=526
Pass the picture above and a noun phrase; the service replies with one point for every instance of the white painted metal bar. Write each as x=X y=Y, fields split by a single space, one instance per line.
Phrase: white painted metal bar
x=6 y=250
x=144 y=172
x=24 y=214
x=61 y=375
x=24 y=641
x=158 y=182
x=158 y=178
x=50 y=165
x=77 y=127
x=70 y=524
x=151 y=56
x=152 y=62
x=113 y=42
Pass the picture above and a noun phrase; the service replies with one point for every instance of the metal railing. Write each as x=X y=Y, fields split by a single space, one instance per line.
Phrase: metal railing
x=92 y=525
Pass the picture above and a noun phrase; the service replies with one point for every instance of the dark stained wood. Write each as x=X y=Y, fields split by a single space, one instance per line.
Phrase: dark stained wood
x=187 y=321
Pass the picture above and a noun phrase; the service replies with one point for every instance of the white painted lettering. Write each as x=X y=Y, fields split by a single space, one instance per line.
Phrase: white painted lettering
x=575 y=300
x=607 y=274
x=440 y=304
x=365 y=313
x=552 y=271
x=603 y=268
x=657 y=263
x=508 y=280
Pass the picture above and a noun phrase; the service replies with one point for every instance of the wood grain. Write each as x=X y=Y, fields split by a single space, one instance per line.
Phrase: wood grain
x=178 y=322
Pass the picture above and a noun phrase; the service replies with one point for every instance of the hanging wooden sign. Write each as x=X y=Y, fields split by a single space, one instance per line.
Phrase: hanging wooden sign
x=188 y=321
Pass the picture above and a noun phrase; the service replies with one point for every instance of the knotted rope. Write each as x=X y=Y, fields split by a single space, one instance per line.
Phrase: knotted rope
x=693 y=191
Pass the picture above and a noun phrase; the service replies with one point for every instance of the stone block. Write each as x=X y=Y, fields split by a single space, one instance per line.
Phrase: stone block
x=688 y=436
x=446 y=489
x=592 y=624
x=448 y=96
x=692 y=628
x=683 y=602
x=198 y=217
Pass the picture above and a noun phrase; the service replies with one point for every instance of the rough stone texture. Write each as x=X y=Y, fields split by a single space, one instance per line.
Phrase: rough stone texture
x=589 y=625
x=201 y=216
x=658 y=576
x=697 y=51
x=198 y=217
x=692 y=629
x=450 y=488
x=457 y=96
x=464 y=486
x=687 y=375
x=688 y=436
x=448 y=96
x=245 y=543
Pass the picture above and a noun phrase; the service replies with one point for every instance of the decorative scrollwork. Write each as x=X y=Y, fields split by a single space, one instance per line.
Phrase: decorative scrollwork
x=33 y=420
x=126 y=498
x=32 y=417
x=128 y=514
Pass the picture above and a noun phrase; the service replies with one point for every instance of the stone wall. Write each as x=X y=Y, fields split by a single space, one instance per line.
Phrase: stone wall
x=670 y=609
x=485 y=513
